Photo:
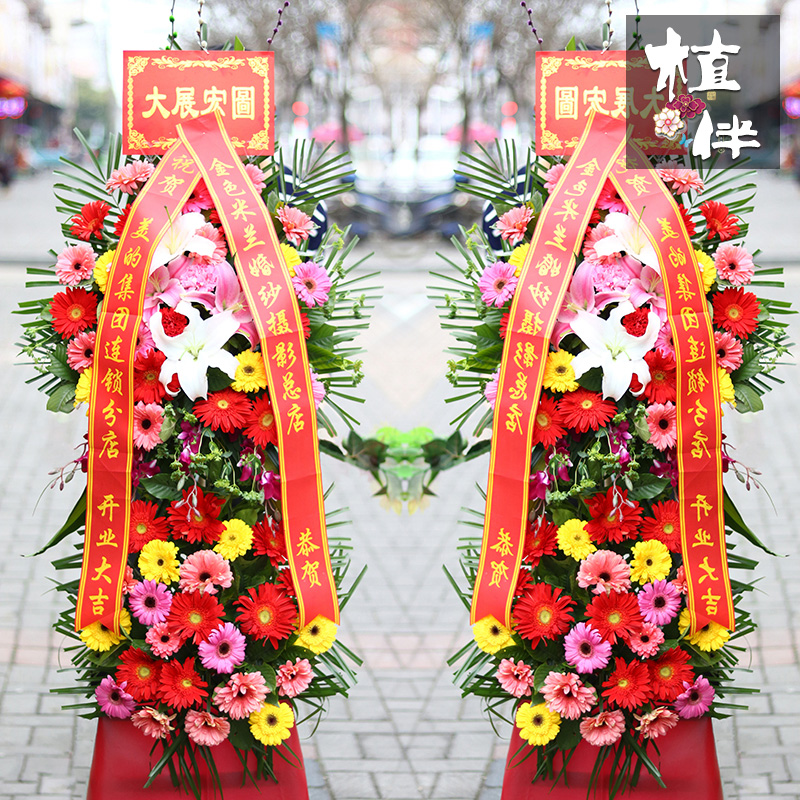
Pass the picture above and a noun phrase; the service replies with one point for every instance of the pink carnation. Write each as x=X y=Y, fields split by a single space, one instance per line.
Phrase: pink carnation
x=604 y=729
x=293 y=679
x=645 y=642
x=606 y=571
x=80 y=350
x=205 y=729
x=511 y=225
x=311 y=283
x=130 y=178
x=551 y=177
x=497 y=283
x=516 y=679
x=75 y=264
x=163 y=642
x=657 y=722
x=241 y=695
x=662 y=422
x=297 y=225
x=566 y=694
x=682 y=180
x=203 y=571
x=152 y=722
x=734 y=264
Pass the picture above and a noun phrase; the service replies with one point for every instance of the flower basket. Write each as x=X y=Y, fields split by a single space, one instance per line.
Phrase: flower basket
x=123 y=757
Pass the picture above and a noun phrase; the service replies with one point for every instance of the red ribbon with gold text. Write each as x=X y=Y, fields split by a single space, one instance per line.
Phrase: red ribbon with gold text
x=204 y=148
x=544 y=279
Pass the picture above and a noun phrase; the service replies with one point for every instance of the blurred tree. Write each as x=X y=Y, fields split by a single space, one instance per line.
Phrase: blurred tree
x=94 y=109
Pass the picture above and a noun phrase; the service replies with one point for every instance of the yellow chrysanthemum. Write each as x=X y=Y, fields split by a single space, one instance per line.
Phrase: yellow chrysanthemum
x=158 y=561
x=250 y=373
x=235 y=540
x=559 y=376
x=707 y=268
x=537 y=724
x=651 y=561
x=97 y=637
x=272 y=724
x=491 y=635
x=517 y=258
x=727 y=394
x=709 y=638
x=291 y=256
x=84 y=386
x=574 y=541
x=101 y=268
x=318 y=636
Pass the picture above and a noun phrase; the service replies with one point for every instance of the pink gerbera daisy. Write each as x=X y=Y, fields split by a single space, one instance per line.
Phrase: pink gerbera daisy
x=257 y=177
x=497 y=284
x=150 y=602
x=199 y=200
x=728 y=349
x=566 y=694
x=147 y=421
x=152 y=722
x=604 y=729
x=203 y=571
x=515 y=678
x=606 y=571
x=130 y=178
x=490 y=392
x=610 y=200
x=680 y=581
x=75 y=264
x=594 y=235
x=205 y=729
x=113 y=700
x=512 y=225
x=659 y=602
x=585 y=649
x=317 y=389
x=163 y=642
x=241 y=695
x=311 y=283
x=734 y=264
x=294 y=678
x=657 y=722
x=223 y=650
x=682 y=180
x=664 y=343
x=645 y=641
x=551 y=177
x=662 y=422
x=80 y=350
x=696 y=698
x=297 y=225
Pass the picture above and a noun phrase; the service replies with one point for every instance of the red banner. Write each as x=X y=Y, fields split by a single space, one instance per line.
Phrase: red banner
x=204 y=148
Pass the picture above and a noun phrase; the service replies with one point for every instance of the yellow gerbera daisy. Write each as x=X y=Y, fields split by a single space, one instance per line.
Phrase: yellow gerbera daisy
x=707 y=268
x=250 y=373
x=235 y=540
x=651 y=561
x=82 y=390
x=537 y=724
x=709 y=638
x=272 y=724
x=559 y=376
x=291 y=256
x=727 y=393
x=517 y=258
x=158 y=561
x=101 y=269
x=318 y=635
x=491 y=635
x=574 y=541
x=97 y=637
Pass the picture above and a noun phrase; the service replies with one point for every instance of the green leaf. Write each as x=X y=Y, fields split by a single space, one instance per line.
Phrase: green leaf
x=539 y=674
x=74 y=521
x=747 y=398
x=647 y=487
x=237 y=44
x=161 y=486
x=62 y=399
x=733 y=519
x=217 y=380
x=59 y=367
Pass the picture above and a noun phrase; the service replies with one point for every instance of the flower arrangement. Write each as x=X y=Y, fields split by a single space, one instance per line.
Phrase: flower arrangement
x=209 y=648
x=600 y=650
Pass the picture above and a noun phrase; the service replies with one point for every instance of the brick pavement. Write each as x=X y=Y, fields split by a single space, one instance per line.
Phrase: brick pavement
x=404 y=733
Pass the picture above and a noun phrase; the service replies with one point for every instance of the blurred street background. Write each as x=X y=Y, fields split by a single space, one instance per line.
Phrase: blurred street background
x=404 y=87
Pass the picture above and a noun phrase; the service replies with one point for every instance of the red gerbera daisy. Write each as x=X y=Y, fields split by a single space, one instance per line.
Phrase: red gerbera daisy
x=540 y=540
x=523 y=582
x=269 y=540
x=306 y=324
x=179 y=684
x=583 y=410
x=195 y=516
x=119 y=225
x=90 y=221
x=266 y=612
x=668 y=672
x=260 y=425
x=543 y=613
x=147 y=388
x=662 y=387
x=615 y=614
x=688 y=222
x=628 y=685
x=225 y=411
x=145 y=525
x=614 y=517
x=547 y=428
x=195 y=614
x=73 y=311
x=719 y=220
x=736 y=311
x=286 y=583
x=141 y=672
x=665 y=525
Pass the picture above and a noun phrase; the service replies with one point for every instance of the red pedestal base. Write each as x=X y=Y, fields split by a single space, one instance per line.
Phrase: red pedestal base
x=122 y=762
x=688 y=764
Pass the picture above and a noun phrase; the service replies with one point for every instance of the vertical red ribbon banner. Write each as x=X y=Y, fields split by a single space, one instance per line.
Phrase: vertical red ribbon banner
x=203 y=150
x=543 y=281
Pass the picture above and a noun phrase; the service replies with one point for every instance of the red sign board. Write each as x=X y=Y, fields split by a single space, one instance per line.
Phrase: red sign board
x=163 y=88
x=619 y=83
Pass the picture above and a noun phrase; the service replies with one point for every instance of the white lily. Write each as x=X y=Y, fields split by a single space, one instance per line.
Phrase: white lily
x=618 y=354
x=180 y=237
x=198 y=348
x=628 y=236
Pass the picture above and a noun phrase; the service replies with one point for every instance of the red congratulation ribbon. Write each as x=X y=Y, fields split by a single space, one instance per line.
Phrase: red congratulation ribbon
x=203 y=149
x=543 y=281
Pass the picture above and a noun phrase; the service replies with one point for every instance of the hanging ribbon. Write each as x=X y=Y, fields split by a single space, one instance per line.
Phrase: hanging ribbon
x=544 y=279
x=203 y=149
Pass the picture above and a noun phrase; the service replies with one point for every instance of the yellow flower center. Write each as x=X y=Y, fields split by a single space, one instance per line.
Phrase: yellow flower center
x=75 y=312
x=265 y=616
x=542 y=419
x=222 y=404
x=734 y=312
x=665 y=672
x=615 y=617
x=545 y=615
x=587 y=404
x=623 y=684
x=141 y=528
x=144 y=672
x=195 y=618
x=186 y=683
x=267 y=420
x=668 y=528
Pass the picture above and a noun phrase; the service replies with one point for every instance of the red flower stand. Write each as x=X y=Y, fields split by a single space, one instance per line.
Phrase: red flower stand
x=122 y=762
x=688 y=764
